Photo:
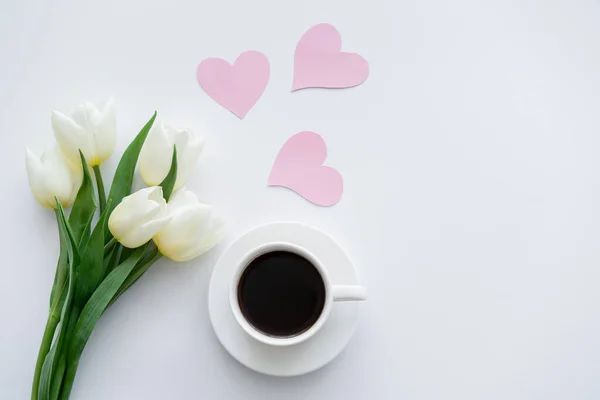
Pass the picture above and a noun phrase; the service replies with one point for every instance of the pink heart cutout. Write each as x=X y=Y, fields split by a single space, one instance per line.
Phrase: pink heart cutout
x=299 y=167
x=319 y=61
x=235 y=87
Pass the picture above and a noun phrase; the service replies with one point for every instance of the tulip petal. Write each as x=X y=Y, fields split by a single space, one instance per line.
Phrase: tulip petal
x=105 y=134
x=216 y=233
x=71 y=138
x=136 y=208
x=192 y=231
x=191 y=147
x=134 y=212
x=151 y=228
x=86 y=115
x=183 y=197
x=155 y=194
x=181 y=233
x=35 y=174
x=138 y=217
x=59 y=178
x=50 y=176
x=155 y=157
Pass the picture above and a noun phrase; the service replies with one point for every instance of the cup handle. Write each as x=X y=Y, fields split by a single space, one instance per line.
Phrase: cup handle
x=349 y=293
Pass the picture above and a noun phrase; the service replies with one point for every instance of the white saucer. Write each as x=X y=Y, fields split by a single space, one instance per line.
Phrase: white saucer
x=291 y=360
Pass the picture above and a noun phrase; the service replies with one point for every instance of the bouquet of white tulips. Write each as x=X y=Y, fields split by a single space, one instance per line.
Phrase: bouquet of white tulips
x=98 y=262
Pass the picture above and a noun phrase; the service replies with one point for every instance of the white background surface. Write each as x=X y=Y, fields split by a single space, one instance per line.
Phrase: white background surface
x=471 y=204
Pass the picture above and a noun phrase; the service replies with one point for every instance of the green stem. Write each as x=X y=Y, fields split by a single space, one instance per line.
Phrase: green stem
x=100 y=184
x=113 y=261
x=56 y=303
x=51 y=325
x=64 y=384
x=140 y=269
x=73 y=361
x=68 y=380
x=61 y=267
x=109 y=245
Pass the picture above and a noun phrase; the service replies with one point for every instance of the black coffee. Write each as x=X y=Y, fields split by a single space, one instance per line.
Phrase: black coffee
x=281 y=294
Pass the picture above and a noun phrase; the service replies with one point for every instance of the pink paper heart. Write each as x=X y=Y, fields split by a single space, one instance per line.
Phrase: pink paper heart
x=319 y=61
x=299 y=167
x=235 y=87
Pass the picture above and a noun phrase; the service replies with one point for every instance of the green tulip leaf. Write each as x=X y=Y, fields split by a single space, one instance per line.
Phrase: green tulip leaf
x=51 y=368
x=61 y=265
x=85 y=235
x=121 y=185
x=84 y=206
x=111 y=258
x=90 y=314
x=140 y=269
x=58 y=377
x=71 y=243
x=90 y=271
x=54 y=318
x=169 y=182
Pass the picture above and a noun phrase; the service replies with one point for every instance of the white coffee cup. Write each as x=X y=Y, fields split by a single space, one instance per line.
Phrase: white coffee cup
x=333 y=293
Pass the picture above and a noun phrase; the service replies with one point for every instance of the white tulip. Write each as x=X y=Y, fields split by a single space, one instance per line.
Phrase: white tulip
x=192 y=230
x=157 y=152
x=51 y=176
x=138 y=217
x=88 y=129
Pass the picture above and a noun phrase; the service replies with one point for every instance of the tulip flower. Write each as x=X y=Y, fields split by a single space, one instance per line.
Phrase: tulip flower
x=88 y=129
x=155 y=157
x=192 y=230
x=138 y=217
x=93 y=269
x=51 y=176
